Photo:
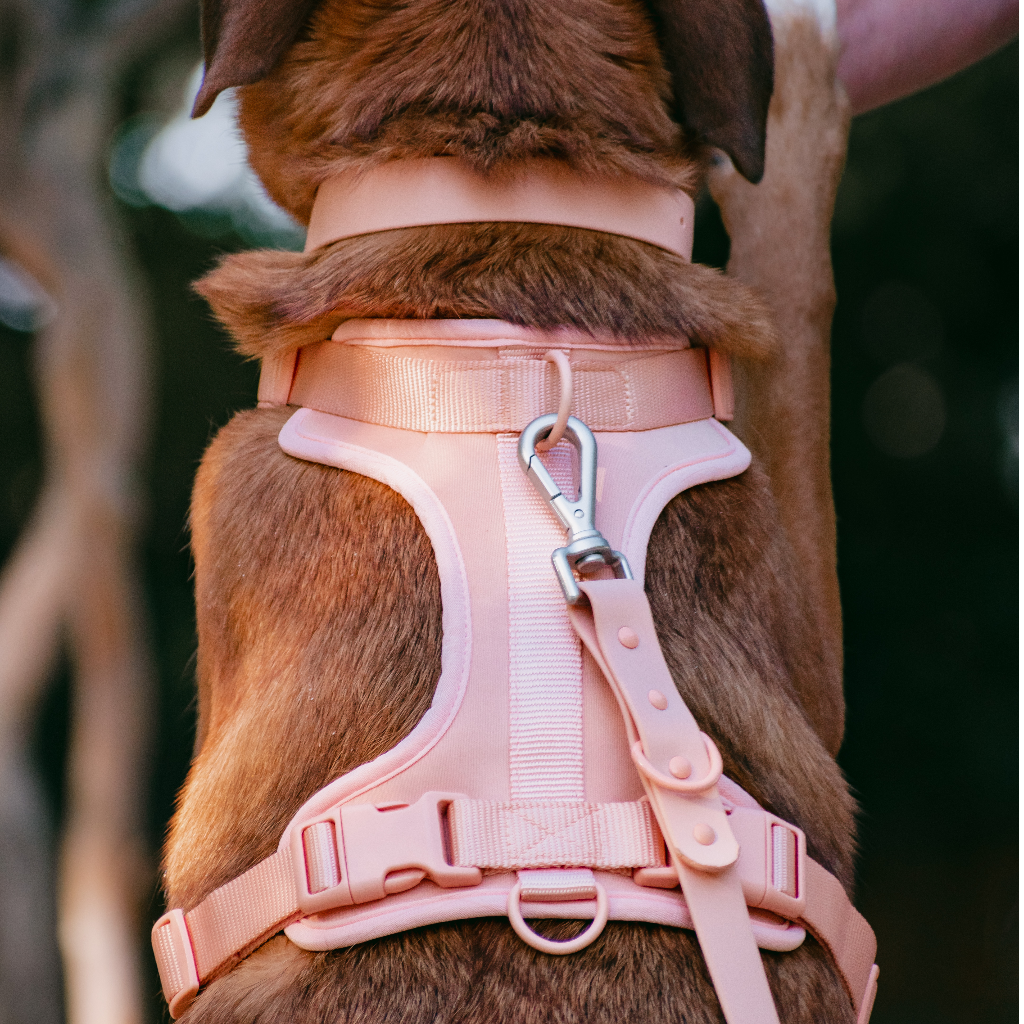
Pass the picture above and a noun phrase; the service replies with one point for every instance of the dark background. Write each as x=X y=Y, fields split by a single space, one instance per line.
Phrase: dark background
x=925 y=471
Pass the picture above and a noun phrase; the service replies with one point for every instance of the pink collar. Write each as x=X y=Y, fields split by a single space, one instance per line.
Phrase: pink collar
x=444 y=190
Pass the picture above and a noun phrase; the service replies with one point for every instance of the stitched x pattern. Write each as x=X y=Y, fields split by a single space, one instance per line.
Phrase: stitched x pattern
x=552 y=833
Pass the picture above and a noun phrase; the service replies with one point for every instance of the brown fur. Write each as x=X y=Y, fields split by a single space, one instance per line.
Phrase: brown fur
x=486 y=80
x=529 y=274
x=317 y=595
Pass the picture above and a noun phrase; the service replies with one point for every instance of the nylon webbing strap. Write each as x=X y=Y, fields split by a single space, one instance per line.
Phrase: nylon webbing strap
x=554 y=833
x=835 y=923
x=242 y=912
x=232 y=921
x=498 y=395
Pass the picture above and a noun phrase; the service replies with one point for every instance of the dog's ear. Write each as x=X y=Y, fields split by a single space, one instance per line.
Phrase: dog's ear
x=720 y=56
x=243 y=40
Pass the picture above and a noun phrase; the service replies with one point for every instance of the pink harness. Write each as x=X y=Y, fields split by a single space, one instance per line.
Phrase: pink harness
x=557 y=773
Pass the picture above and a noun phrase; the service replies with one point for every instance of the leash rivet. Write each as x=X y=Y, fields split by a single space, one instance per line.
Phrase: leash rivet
x=704 y=834
x=680 y=767
x=629 y=639
x=658 y=699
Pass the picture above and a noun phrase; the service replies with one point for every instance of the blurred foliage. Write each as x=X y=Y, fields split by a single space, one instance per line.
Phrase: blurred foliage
x=925 y=249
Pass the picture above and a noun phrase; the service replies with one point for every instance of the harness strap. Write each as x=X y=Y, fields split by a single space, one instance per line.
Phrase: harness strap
x=353 y=857
x=445 y=190
x=553 y=833
x=454 y=396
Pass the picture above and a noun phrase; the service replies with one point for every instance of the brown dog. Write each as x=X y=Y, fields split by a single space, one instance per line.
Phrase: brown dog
x=315 y=657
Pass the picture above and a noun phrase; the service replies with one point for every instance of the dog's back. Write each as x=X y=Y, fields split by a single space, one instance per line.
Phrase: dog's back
x=318 y=599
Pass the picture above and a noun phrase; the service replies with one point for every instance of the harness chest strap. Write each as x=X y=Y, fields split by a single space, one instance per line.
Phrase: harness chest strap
x=193 y=948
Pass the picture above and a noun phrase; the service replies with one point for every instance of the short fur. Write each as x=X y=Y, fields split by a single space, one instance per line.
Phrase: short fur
x=317 y=595
x=530 y=274
x=487 y=79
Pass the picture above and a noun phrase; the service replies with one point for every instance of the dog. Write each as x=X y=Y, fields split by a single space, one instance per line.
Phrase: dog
x=316 y=656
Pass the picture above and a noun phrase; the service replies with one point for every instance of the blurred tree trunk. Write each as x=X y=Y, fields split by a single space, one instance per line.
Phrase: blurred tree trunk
x=73 y=578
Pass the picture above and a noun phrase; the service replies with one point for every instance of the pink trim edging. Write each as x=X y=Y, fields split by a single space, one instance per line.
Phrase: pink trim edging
x=455 y=614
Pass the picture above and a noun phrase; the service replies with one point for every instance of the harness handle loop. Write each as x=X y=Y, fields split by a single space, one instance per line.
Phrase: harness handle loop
x=574 y=945
x=561 y=360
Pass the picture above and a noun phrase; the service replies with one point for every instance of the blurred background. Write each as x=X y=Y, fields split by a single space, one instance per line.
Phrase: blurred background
x=98 y=159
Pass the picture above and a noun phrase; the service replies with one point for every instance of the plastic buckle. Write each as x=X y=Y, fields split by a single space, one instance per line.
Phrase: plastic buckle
x=176 y=962
x=772 y=862
x=373 y=852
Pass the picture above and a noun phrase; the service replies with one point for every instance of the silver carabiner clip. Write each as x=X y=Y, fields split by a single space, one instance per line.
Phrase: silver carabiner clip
x=586 y=550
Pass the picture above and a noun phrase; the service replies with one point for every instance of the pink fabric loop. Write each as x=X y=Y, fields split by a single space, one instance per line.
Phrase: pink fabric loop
x=581 y=941
x=445 y=190
x=648 y=770
x=175 y=962
x=561 y=360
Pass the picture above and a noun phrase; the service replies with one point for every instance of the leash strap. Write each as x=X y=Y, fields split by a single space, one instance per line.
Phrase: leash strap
x=446 y=190
x=615 y=625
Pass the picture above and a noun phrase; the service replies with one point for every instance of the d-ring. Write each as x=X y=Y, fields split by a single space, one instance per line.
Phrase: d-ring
x=561 y=360
x=680 y=785
x=531 y=938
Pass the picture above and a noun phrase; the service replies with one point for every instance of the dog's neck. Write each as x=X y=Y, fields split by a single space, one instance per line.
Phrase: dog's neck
x=444 y=190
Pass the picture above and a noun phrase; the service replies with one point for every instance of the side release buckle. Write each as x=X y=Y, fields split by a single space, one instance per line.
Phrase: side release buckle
x=357 y=853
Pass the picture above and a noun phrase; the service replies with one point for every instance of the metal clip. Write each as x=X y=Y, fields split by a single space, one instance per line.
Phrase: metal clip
x=586 y=550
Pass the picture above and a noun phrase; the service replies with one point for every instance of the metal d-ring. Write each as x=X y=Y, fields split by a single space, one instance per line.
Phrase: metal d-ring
x=574 y=945
x=680 y=785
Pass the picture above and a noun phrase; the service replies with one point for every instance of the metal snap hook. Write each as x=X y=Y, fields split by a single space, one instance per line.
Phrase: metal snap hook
x=586 y=549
